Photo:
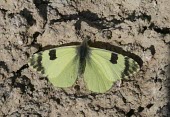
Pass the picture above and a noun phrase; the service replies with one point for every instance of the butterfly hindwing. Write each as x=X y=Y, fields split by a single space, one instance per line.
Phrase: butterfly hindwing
x=60 y=65
x=104 y=67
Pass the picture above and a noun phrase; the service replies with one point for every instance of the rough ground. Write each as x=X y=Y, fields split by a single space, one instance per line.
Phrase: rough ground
x=137 y=26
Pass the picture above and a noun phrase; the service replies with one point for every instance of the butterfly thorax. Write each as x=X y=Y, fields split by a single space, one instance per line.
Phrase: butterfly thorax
x=83 y=54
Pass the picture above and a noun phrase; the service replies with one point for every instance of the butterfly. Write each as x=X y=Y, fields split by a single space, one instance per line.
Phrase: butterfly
x=100 y=68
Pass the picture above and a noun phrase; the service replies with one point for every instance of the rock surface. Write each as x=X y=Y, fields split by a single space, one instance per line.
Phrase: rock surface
x=136 y=26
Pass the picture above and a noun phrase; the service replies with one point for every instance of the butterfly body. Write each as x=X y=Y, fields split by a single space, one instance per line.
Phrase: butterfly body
x=83 y=52
x=100 y=68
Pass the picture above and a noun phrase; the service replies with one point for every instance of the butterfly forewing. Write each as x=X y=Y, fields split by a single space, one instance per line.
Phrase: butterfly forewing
x=107 y=67
x=60 y=65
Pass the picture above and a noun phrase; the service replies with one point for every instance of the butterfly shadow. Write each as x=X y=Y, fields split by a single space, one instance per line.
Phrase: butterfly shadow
x=101 y=45
x=55 y=46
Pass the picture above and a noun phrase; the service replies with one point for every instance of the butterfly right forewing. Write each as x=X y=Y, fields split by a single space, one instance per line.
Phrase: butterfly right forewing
x=106 y=67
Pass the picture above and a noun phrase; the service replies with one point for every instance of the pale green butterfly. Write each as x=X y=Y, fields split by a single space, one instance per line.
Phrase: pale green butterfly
x=100 y=68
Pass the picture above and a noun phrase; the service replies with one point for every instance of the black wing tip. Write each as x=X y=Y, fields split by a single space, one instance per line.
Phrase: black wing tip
x=130 y=70
x=37 y=63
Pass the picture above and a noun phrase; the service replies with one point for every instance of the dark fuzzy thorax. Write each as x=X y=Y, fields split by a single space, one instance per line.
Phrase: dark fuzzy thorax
x=83 y=53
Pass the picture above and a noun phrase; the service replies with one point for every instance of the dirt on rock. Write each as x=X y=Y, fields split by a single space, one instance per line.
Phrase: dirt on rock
x=135 y=26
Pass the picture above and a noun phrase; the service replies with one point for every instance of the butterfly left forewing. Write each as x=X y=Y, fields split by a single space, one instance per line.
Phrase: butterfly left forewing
x=60 y=65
